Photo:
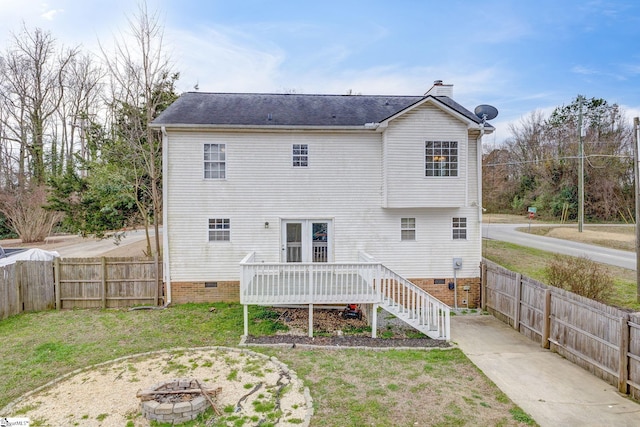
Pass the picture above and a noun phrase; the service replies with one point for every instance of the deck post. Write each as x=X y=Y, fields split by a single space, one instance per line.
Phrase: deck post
x=245 y=310
x=374 y=320
x=311 y=320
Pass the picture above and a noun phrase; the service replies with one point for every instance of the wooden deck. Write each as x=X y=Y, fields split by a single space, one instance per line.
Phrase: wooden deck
x=365 y=282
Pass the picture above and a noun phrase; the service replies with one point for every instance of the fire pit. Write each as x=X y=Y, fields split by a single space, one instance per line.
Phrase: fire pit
x=176 y=401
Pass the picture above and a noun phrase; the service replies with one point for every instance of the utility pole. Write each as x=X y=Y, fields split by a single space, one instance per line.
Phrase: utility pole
x=636 y=173
x=581 y=172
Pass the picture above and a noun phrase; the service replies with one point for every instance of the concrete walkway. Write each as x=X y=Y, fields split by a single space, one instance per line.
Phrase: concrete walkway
x=554 y=391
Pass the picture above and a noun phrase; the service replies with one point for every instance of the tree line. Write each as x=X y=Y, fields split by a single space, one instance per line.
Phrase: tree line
x=538 y=165
x=75 y=149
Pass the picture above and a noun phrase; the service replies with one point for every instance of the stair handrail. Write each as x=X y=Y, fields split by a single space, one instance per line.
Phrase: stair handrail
x=413 y=304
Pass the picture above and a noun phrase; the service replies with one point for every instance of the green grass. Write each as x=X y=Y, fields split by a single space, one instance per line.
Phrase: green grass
x=533 y=262
x=349 y=387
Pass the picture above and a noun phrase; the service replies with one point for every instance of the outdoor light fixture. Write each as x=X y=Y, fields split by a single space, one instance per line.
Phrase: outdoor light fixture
x=266 y=224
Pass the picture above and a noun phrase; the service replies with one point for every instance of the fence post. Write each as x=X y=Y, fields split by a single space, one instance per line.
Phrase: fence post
x=546 y=319
x=517 y=297
x=104 y=282
x=623 y=365
x=158 y=281
x=56 y=282
x=20 y=293
x=483 y=286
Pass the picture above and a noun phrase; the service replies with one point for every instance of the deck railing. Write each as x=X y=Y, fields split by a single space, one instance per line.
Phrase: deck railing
x=307 y=283
x=363 y=282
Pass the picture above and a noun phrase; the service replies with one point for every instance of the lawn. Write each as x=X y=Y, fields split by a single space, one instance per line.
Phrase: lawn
x=349 y=387
x=533 y=262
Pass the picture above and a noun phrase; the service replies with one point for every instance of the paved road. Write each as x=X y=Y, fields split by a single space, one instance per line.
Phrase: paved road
x=508 y=233
x=91 y=247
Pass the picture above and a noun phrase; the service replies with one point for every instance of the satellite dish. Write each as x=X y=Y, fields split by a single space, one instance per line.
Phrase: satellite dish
x=486 y=112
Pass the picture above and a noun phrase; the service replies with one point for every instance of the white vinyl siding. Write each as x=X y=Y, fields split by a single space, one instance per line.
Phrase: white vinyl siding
x=344 y=188
x=405 y=184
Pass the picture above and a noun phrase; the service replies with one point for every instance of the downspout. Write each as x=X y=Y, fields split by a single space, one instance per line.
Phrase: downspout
x=166 y=269
x=479 y=171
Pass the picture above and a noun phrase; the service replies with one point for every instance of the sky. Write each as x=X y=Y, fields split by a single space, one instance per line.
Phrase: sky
x=519 y=56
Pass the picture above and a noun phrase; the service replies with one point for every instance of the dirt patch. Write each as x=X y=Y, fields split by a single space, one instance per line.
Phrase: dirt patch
x=505 y=219
x=106 y=396
x=332 y=329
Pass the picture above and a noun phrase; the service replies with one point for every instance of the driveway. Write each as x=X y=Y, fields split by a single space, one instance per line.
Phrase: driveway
x=509 y=233
x=554 y=391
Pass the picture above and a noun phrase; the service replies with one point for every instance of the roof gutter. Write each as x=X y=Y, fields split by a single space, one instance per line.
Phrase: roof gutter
x=165 y=223
x=262 y=128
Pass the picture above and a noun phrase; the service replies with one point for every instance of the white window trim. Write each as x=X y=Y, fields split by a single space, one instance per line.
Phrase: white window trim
x=226 y=229
x=223 y=147
x=402 y=228
x=300 y=156
x=455 y=228
x=457 y=162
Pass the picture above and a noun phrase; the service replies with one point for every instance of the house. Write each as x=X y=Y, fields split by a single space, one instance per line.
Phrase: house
x=324 y=199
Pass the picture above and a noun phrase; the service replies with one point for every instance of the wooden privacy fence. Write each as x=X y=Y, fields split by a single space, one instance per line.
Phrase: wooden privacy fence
x=26 y=286
x=79 y=283
x=600 y=338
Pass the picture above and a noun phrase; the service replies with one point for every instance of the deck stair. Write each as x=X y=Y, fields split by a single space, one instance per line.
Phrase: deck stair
x=414 y=306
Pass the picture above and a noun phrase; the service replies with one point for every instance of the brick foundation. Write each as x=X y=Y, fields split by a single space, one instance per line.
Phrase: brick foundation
x=183 y=292
x=446 y=295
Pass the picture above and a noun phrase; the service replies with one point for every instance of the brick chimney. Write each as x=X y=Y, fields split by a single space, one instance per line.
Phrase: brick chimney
x=440 y=89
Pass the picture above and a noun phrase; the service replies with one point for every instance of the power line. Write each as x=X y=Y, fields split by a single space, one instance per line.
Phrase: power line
x=522 y=162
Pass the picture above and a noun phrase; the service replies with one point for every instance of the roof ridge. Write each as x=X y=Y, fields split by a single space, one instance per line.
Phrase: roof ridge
x=303 y=94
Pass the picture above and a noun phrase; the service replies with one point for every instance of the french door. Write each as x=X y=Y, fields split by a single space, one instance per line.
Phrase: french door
x=306 y=240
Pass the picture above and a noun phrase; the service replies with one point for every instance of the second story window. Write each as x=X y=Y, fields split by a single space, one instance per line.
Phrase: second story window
x=300 y=155
x=441 y=158
x=215 y=163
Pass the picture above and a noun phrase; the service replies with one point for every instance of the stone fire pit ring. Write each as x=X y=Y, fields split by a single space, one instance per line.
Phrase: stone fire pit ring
x=175 y=408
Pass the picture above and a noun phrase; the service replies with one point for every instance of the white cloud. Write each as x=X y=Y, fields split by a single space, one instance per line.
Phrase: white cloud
x=49 y=15
x=218 y=62
x=580 y=69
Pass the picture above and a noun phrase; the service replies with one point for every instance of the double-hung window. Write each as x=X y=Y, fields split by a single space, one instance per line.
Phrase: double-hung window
x=407 y=228
x=441 y=158
x=219 y=230
x=215 y=161
x=459 y=228
x=300 y=154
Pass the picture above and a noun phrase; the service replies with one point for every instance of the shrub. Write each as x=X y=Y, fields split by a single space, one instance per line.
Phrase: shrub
x=581 y=276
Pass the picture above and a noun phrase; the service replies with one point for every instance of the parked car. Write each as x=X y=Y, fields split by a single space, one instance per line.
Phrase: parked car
x=5 y=253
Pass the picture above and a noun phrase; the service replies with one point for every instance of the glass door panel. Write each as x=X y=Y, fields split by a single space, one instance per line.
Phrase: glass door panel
x=294 y=242
x=319 y=242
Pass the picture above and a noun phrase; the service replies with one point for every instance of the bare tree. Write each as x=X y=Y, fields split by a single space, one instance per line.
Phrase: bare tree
x=26 y=215
x=141 y=78
x=81 y=105
x=33 y=72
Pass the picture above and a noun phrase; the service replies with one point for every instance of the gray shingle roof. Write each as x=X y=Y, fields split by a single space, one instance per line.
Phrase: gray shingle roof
x=252 y=109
